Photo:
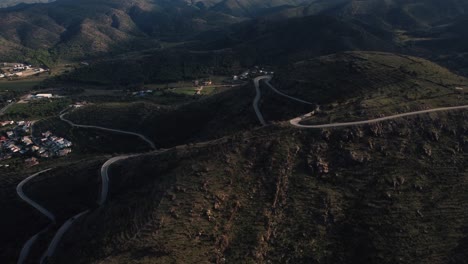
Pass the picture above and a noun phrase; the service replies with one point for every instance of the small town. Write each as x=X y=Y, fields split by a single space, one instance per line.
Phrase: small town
x=17 y=142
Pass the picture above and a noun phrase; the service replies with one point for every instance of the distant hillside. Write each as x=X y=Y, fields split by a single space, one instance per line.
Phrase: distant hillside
x=8 y=3
x=228 y=51
x=404 y=14
x=81 y=28
x=252 y=8
x=360 y=85
x=75 y=29
x=266 y=41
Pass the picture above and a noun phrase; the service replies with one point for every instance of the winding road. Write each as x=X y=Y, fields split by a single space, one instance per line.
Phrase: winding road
x=58 y=236
x=147 y=140
x=105 y=177
x=104 y=184
x=258 y=96
x=101 y=200
x=19 y=189
x=296 y=122
x=285 y=95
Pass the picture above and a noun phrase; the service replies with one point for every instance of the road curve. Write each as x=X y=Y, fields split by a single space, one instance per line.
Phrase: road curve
x=27 y=246
x=105 y=177
x=104 y=185
x=296 y=121
x=258 y=97
x=101 y=200
x=19 y=189
x=58 y=236
x=147 y=140
x=285 y=95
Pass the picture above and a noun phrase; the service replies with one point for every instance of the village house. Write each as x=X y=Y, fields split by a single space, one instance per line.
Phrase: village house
x=17 y=142
x=44 y=96
x=31 y=162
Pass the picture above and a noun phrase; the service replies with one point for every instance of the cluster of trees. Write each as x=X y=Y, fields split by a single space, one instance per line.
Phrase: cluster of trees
x=159 y=68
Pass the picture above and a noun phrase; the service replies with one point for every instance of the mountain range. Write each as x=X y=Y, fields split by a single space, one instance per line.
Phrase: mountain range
x=235 y=131
x=9 y=3
x=82 y=29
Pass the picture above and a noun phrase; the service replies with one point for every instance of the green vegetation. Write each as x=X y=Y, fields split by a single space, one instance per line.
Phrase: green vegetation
x=20 y=85
x=362 y=85
x=278 y=194
x=8 y=3
x=380 y=193
x=38 y=108
x=90 y=141
x=171 y=67
x=193 y=90
x=210 y=117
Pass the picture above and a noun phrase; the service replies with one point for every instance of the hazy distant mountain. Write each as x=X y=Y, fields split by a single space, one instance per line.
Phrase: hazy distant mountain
x=273 y=42
x=84 y=27
x=8 y=3
x=404 y=14
x=79 y=28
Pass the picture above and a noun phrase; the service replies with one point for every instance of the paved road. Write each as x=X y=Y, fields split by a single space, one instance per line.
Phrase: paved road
x=58 y=236
x=104 y=185
x=27 y=246
x=102 y=199
x=150 y=143
x=69 y=223
x=258 y=97
x=19 y=189
x=285 y=95
x=105 y=177
x=4 y=109
x=296 y=121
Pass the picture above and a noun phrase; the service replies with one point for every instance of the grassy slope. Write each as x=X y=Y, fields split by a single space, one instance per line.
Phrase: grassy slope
x=261 y=196
x=381 y=181
x=347 y=86
x=81 y=186
x=360 y=85
x=208 y=118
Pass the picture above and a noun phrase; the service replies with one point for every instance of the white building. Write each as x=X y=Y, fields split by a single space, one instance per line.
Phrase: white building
x=44 y=95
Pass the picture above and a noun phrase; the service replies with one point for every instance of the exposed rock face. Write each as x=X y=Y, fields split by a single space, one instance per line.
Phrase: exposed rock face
x=427 y=150
x=358 y=157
